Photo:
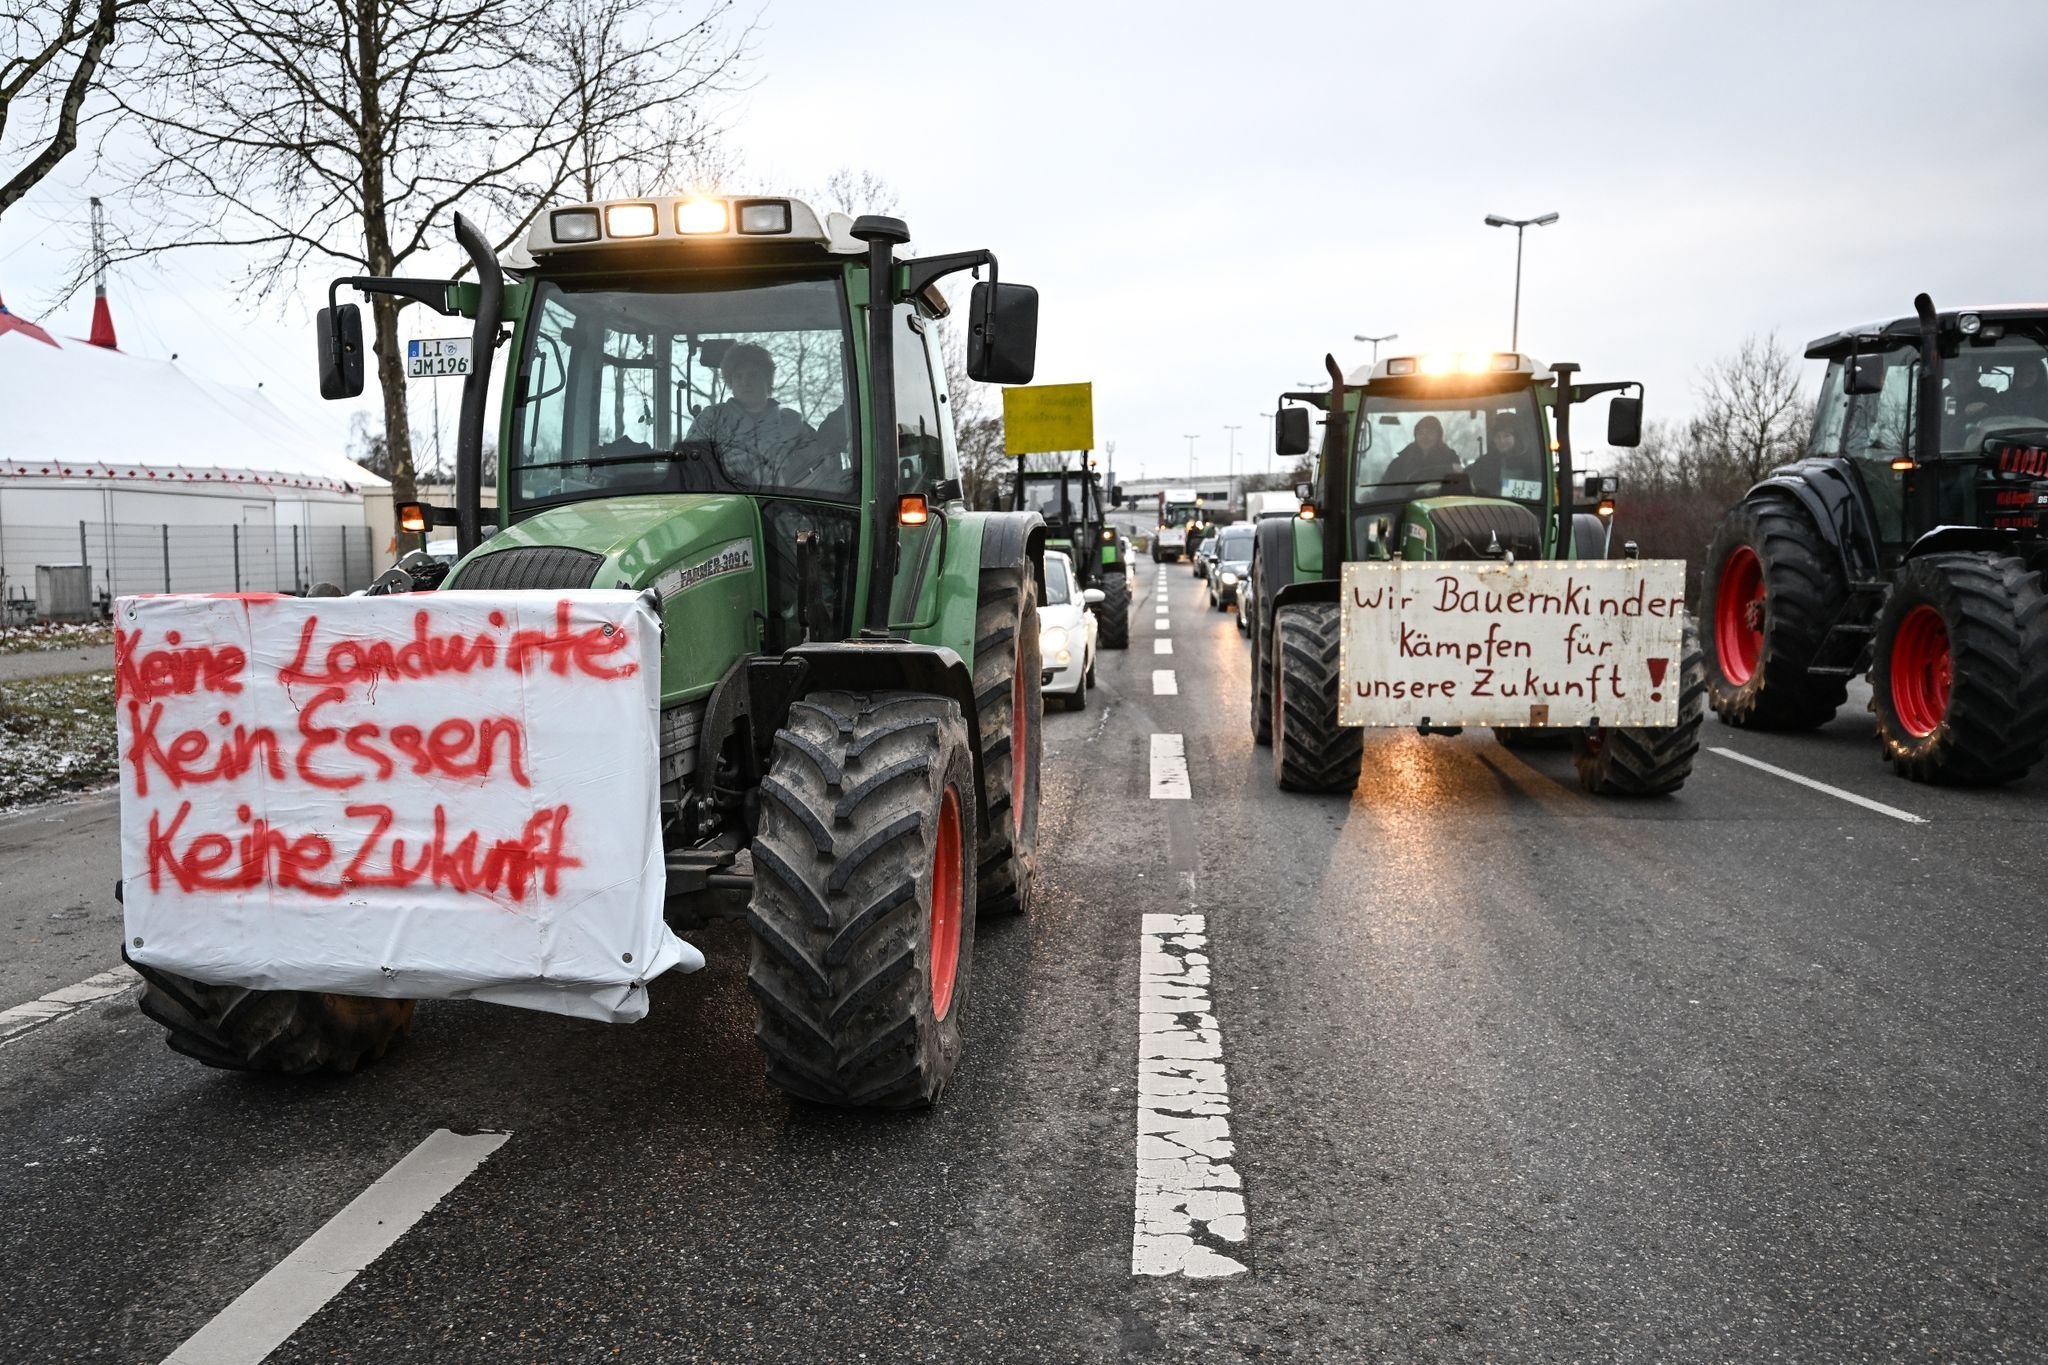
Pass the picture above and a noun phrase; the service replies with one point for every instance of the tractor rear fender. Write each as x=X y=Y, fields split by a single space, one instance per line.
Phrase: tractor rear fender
x=1832 y=493
x=1308 y=590
x=1009 y=536
x=1965 y=540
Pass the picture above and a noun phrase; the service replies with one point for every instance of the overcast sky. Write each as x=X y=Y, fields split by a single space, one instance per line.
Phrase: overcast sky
x=1210 y=197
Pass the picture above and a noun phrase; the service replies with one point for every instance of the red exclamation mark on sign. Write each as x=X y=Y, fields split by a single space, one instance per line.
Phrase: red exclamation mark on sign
x=1657 y=667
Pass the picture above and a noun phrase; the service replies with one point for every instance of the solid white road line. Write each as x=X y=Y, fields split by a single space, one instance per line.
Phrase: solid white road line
x=1851 y=797
x=1187 y=1187
x=1164 y=683
x=20 y=1019
x=277 y=1305
x=1169 y=769
x=1162 y=646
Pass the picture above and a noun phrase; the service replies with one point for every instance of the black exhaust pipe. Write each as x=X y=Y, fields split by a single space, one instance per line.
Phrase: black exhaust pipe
x=483 y=341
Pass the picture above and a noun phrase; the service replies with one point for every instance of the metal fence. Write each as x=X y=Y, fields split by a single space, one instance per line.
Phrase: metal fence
x=126 y=557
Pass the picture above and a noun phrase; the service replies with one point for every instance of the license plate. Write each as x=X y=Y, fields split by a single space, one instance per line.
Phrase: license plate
x=432 y=359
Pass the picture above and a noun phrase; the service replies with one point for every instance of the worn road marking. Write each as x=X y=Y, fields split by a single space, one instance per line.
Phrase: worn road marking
x=21 y=1019
x=296 y=1288
x=1164 y=684
x=1190 y=1200
x=1851 y=797
x=1162 y=646
x=1169 y=769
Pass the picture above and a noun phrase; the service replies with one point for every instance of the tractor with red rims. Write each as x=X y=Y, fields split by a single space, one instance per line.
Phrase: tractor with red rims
x=738 y=408
x=1910 y=543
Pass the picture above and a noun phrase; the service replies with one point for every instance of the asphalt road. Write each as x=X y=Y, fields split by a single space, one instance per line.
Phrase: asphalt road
x=1749 y=1073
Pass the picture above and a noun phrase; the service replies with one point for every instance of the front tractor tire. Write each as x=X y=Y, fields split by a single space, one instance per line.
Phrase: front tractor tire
x=1009 y=697
x=1772 y=589
x=1114 y=615
x=293 y=1033
x=1645 y=760
x=1960 y=677
x=864 y=896
x=1311 y=751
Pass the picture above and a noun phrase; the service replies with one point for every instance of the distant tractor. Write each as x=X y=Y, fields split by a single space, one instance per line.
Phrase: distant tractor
x=1463 y=458
x=1180 y=522
x=739 y=408
x=1077 y=522
x=1910 y=542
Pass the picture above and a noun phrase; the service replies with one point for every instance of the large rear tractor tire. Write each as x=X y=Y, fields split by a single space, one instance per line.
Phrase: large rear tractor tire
x=1311 y=751
x=1772 y=589
x=1645 y=761
x=1114 y=615
x=1960 y=678
x=291 y=1033
x=863 y=908
x=1008 y=695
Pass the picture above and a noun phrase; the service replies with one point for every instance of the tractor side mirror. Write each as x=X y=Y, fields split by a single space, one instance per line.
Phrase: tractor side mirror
x=1305 y=492
x=1625 y=422
x=340 y=334
x=1002 y=336
x=1866 y=374
x=1116 y=495
x=1290 y=432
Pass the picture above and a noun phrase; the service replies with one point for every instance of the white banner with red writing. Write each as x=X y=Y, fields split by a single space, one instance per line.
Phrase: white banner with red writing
x=1537 y=643
x=434 y=795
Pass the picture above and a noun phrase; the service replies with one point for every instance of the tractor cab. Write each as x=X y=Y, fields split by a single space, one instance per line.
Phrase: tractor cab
x=1945 y=424
x=1454 y=456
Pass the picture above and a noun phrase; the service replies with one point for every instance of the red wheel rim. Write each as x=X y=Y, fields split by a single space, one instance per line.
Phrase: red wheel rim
x=945 y=927
x=1921 y=671
x=1738 y=615
x=1020 y=737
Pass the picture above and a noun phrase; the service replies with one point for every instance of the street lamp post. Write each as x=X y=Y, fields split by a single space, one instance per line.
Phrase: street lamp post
x=1269 y=440
x=1376 y=344
x=1230 y=464
x=1496 y=220
x=1192 y=438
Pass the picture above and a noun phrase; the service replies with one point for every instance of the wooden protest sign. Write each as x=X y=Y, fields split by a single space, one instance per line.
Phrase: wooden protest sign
x=1546 y=642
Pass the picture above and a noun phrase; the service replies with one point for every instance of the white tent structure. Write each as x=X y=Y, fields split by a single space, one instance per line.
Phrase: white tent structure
x=161 y=481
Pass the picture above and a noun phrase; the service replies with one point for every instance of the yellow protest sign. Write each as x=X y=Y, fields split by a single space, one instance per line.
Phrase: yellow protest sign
x=1049 y=417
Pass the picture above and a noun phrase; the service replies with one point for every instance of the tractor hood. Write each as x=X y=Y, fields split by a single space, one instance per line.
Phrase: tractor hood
x=700 y=552
x=1461 y=527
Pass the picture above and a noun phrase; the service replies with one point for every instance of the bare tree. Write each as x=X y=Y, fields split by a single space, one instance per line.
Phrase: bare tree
x=1753 y=414
x=51 y=57
x=345 y=132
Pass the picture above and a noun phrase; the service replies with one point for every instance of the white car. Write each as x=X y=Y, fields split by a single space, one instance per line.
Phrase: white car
x=1066 y=633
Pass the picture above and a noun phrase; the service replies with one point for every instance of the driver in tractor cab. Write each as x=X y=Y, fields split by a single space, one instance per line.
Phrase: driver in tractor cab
x=2026 y=396
x=1506 y=458
x=1426 y=459
x=757 y=440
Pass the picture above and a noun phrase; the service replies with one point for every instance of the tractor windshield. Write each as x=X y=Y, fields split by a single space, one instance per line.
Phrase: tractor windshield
x=1056 y=497
x=1991 y=390
x=689 y=390
x=1413 y=447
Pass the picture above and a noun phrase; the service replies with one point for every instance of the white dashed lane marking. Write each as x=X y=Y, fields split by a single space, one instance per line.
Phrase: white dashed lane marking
x=296 y=1288
x=1851 y=797
x=25 y=1018
x=1163 y=683
x=1169 y=769
x=1189 y=1200
x=1162 y=646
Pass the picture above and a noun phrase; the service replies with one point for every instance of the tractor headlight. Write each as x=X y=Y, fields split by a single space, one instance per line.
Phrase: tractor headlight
x=1969 y=324
x=629 y=220
x=574 y=225
x=700 y=217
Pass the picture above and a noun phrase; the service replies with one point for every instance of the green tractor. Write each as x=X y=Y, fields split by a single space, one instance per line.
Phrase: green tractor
x=740 y=408
x=1077 y=521
x=1911 y=542
x=1436 y=459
